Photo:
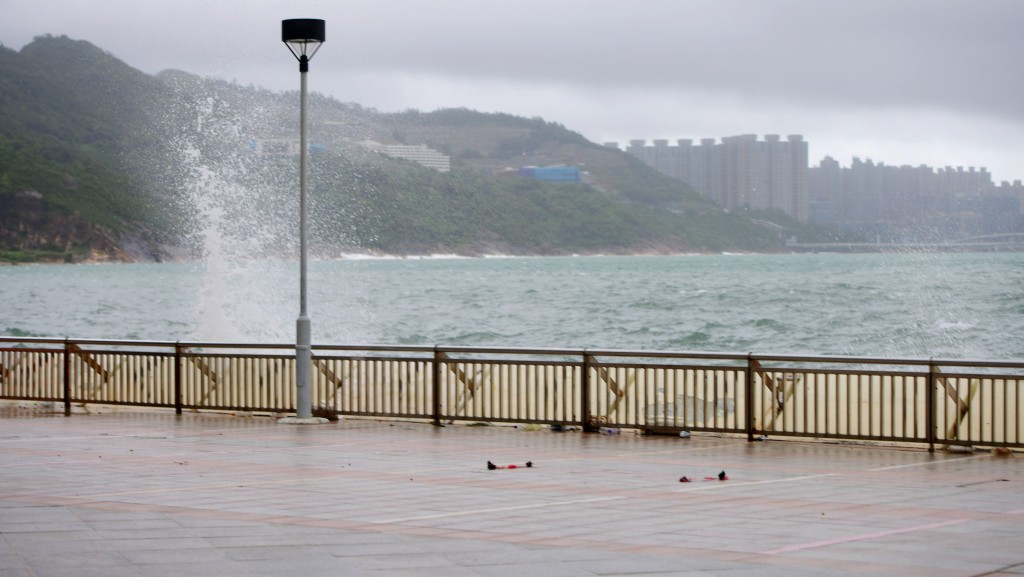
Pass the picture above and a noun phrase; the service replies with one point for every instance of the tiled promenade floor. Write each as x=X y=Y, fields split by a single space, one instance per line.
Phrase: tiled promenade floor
x=152 y=494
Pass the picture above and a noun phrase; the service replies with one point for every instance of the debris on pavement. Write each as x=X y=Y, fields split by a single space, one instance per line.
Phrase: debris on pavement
x=491 y=466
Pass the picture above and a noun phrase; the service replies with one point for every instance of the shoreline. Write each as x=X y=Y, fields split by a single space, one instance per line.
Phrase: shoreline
x=378 y=255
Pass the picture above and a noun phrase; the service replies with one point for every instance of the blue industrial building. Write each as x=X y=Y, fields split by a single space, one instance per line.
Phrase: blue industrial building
x=551 y=173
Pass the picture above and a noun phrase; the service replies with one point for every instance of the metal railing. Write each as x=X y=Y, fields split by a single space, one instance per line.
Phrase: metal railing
x=922 y=401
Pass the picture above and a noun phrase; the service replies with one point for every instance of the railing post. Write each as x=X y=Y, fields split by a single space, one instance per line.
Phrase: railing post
x=931 y=418
x=748 y=396
x=177 y=378
x=586 y=424
x=437 y=387
x=67 y=377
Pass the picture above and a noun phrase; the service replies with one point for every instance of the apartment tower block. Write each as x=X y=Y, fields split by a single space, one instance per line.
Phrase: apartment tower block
x=739 y=172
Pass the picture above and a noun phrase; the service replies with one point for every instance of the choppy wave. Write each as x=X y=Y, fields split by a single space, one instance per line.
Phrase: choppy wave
x=16 y=332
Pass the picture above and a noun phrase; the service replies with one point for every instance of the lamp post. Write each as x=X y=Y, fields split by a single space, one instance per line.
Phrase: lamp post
x=303 y=37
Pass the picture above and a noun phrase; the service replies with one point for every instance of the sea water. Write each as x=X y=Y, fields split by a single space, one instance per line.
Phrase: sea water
x=966 y=306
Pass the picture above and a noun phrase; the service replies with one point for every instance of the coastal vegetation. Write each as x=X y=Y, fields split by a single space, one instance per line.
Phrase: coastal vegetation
x=99 y=161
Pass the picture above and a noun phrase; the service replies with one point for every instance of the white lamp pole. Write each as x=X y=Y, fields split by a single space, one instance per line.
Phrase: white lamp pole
x=303 y=37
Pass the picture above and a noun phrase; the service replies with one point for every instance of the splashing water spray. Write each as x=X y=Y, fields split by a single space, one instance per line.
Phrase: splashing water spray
x=238 y=205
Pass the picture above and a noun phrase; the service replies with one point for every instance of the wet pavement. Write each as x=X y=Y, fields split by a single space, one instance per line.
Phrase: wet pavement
x=154 y=494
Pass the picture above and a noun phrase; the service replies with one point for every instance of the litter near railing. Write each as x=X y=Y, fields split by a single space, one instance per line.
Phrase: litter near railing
x=491 y=466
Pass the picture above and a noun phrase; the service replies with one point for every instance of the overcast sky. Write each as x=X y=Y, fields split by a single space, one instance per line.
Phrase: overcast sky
x=934 y=82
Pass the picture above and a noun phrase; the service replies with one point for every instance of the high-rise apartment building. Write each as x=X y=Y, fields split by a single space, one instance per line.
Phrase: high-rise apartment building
x=739 y=172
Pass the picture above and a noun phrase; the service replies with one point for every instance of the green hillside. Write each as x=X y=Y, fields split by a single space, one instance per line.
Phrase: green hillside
x=67 y=186
x=101 y=161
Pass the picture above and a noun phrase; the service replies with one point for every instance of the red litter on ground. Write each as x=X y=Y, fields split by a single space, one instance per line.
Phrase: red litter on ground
x=492 y=466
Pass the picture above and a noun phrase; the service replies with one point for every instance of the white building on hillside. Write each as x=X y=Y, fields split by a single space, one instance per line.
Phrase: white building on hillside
x=419 y=153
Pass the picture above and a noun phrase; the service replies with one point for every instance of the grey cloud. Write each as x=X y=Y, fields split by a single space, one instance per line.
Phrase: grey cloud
x=869 y=53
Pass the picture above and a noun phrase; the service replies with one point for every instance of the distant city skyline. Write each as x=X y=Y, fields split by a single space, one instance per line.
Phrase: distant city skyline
x=900 y=202
x=673 y=142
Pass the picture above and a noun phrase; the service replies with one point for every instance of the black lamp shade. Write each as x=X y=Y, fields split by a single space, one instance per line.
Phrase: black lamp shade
x=303 y=36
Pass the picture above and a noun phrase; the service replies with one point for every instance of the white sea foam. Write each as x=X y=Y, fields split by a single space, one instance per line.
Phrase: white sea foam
x=366 y=256
x=435 y=256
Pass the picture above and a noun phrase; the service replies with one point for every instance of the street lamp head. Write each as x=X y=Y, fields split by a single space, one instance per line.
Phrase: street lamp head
x=303 y=37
